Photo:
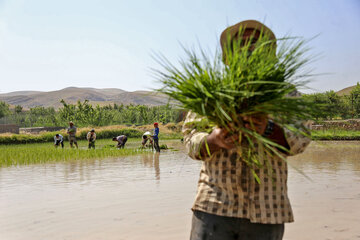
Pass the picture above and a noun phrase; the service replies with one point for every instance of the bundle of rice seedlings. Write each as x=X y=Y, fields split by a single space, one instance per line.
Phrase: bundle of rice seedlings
x=249 y=79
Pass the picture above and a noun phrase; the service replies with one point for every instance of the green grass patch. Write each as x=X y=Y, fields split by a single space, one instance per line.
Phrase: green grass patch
x=174 y=135
x=36 y=153
x=335 y=134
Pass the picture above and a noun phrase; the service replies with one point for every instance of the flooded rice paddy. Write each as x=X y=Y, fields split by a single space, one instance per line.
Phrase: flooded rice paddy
x=149 y=196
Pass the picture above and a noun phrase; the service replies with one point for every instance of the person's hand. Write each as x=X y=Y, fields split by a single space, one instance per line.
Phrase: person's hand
x=221 y=138
x=218 y=139
x=256 y=123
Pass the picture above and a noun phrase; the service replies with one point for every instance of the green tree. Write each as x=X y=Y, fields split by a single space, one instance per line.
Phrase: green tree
x=18 y=109
x=354 y=100
x=333 y=104
x=4 y=109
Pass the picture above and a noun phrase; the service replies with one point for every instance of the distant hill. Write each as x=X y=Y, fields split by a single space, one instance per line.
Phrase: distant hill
x=345 y=91
x=102 y=97
x=20 y=93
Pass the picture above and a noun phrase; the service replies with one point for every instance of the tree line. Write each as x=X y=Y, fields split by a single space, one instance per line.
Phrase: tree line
x=84 y=114
x=330 y=106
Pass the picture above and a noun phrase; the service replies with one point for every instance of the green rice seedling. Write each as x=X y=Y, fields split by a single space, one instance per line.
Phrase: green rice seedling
x=163 y=146
x=256 y=80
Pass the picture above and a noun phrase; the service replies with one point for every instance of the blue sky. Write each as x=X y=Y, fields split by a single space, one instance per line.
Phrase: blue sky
x=48 y=45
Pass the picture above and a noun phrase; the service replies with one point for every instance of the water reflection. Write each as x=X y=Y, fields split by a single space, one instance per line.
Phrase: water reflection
x=85 y=169
x=152 y=160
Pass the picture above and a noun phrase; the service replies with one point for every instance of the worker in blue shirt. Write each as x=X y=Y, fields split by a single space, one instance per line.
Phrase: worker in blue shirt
x=156 y=137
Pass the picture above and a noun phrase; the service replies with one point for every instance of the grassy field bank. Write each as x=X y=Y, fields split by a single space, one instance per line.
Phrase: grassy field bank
x=22 y=154
x=168 y=131
x=335 y=134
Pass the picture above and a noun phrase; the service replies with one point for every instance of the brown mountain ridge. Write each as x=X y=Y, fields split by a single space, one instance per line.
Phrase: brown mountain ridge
x=345 y=91
x=105 y=96
x=29 y=99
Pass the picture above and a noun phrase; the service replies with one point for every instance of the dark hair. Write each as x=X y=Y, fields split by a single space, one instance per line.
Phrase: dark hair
x=57 y=135
x=114 y=138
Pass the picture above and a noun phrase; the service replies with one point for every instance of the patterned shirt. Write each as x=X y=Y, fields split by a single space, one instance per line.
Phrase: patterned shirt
x=72 y=131
x=91 y=137
x=121 y=138
x=228 y=188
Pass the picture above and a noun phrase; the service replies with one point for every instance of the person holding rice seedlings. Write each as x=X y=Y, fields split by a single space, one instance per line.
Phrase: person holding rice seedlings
x=242 y=125
x=121 y=140
x=147 y=137
x=71 y=131
x=91 y=137
x=59 y=140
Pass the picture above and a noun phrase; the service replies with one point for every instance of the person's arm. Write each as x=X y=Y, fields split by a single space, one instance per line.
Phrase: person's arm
x=88 y=136
x=218 y=139
x=195 y=141
x=94 y=137
x=201 y=145
x=54 y=140
x=294 y=141
x=192 y=138
x=297 y=140
x=276 y=133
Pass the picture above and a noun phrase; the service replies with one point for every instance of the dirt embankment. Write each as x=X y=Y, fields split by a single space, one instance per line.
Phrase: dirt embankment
x=351 y=124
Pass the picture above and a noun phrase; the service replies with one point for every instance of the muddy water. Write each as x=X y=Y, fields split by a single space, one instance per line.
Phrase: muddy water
x=328 y=205
x=149 y=196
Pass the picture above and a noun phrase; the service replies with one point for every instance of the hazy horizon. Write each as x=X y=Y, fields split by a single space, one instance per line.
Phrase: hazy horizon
x=48 y=46
x=30 y=90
